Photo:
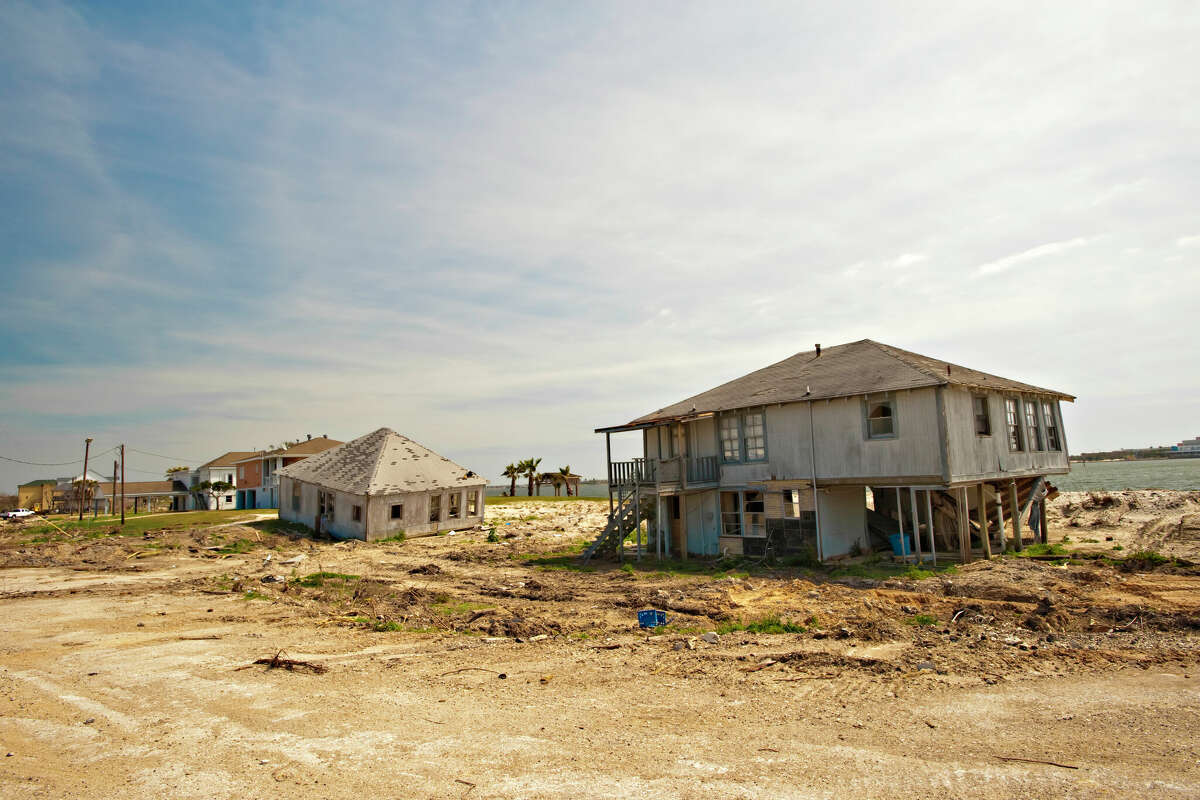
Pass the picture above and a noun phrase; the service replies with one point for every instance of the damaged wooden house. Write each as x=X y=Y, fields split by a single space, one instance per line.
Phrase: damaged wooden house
x=378 y=486
x=839 y=451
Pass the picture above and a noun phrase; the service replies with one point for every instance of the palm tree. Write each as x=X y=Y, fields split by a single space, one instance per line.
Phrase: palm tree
x=512 y=472
x=565 y=472
x=531 y=466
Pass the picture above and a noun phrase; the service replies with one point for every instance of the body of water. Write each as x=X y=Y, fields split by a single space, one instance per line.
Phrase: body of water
x=1112 y=476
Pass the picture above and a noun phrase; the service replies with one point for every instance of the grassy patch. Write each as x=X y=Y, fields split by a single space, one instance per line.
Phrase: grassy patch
x=464 y=607
x=398 y=536
x=254 y=594
x=316 y=580
x=500 y=500
x=764 y=625
x=1042 y=550
x=238 y=546
x=921 y=620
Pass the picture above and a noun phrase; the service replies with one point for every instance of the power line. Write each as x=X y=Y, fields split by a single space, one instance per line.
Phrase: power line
x=54 y=464
x=159 y=455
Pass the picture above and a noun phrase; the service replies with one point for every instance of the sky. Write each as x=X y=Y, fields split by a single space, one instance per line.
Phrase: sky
x=497 y=226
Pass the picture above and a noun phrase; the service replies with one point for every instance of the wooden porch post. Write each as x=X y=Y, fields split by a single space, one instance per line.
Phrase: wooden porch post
x=608 y=479
x=983 y=524
x=1042 y=519
x=915 y=517
x=1000 y=517
x=964 y=533
x=900 y=519
x=1015 y=512
x=929 y=519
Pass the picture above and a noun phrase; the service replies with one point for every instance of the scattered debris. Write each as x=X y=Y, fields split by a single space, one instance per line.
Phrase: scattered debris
x=277 y=661
x=1036 y=761
x=473 y=669
x=711 y=638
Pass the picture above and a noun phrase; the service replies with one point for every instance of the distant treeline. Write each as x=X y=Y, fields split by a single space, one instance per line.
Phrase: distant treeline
x=1126 y=455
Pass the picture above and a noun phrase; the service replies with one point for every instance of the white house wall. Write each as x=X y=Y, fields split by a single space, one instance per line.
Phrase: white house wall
x=377 y=510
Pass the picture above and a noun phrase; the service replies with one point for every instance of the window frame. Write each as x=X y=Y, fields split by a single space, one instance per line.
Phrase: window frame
x=877 y=398
x=454 y=505
x=1014 y=424
x=435 y=508
x=473 y=503
x=1033 y=433
x=1050 y=426
x=738 y=420
x=985 y=417
x=356 y=513
x=396 y=511
x=295 y=496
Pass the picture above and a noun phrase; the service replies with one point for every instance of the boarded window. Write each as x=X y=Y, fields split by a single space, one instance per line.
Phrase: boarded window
x=435 y=508
x=455 y=507
x=295 y=496
x=1012 y=417
x=1053 y=440
x=398 y=511
x=1032 y=425
x=791 y=502
x=881 y=417
x=472 y=503
x=983 y=420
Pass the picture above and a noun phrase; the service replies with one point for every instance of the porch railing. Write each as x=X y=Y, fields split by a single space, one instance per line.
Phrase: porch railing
x=702 y=469
x=627 y=473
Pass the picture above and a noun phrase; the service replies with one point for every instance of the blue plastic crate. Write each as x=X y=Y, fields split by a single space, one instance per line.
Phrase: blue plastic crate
x=651 y=618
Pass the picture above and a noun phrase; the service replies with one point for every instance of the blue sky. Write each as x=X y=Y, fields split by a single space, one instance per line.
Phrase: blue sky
x=495 y=227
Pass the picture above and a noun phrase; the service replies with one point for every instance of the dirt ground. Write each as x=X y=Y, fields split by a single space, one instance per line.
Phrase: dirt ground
x=454 y=666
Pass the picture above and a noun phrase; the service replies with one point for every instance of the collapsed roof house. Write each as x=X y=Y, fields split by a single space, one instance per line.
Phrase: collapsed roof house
x=778 y=462
x=378 y=486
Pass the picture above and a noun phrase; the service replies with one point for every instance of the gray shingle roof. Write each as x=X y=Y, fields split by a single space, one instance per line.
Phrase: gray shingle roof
x=844 y=370
x=382 y=462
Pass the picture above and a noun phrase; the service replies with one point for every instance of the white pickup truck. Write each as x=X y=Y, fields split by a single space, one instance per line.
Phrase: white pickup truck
x=16 y=513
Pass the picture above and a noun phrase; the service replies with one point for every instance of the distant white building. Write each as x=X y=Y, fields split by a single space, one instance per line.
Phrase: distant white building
x=378 y=485
x=1188 y=446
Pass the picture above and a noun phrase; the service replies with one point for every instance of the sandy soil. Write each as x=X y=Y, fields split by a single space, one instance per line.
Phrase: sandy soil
x=126 y=670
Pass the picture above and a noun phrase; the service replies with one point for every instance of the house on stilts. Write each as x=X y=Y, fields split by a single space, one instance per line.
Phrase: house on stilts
x=839 y=451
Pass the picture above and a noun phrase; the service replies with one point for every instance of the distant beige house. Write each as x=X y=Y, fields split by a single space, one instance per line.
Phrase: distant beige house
x=378 y=485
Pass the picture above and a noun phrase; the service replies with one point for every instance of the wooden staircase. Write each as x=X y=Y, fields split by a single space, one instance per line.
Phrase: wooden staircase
x=624 y=519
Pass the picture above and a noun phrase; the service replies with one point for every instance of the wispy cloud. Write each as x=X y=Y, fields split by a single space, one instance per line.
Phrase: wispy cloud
x=1033 y=253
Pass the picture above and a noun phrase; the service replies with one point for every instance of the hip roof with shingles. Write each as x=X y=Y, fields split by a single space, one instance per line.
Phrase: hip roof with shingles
x=381 y=462
x=845 y=370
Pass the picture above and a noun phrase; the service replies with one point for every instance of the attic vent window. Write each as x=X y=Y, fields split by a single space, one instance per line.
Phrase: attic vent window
x=880 y=416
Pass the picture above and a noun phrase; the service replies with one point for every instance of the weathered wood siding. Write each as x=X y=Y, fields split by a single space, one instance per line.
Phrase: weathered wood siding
x=980 y=457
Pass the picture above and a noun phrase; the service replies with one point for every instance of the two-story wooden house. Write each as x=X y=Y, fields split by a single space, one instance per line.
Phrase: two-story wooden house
x=781 y=460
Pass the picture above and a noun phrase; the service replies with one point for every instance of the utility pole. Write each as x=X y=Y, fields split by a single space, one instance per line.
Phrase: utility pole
x=112 y=503
x=87 y=448
x=122 y=484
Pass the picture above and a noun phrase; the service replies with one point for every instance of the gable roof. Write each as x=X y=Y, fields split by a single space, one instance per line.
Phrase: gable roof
x=40 y=482
x=381 y=462
x=228 y=460
x=310 y=447
x=845 y=370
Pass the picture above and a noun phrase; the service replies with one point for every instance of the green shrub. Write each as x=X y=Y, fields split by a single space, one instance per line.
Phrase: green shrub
x=922 y=620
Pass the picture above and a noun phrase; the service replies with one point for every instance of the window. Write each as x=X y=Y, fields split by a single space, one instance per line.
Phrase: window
x=229 y=477
x=730 y=444
x=666 y=442
x=325 y=504
x=756 y=510
x=731 y=513
x=1031 y=424
x=241 y=473
x=435 y=508
x=791 y=502
x=472 y=503
x=881 y=417
x=1053 y=441
x=356 y=513
x=455 y=505
x=743 y=436
x=754 y=437
x=295 y=496
x=398 y=511
x=983 y=420
x=228 y=498
x=1012 y=417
